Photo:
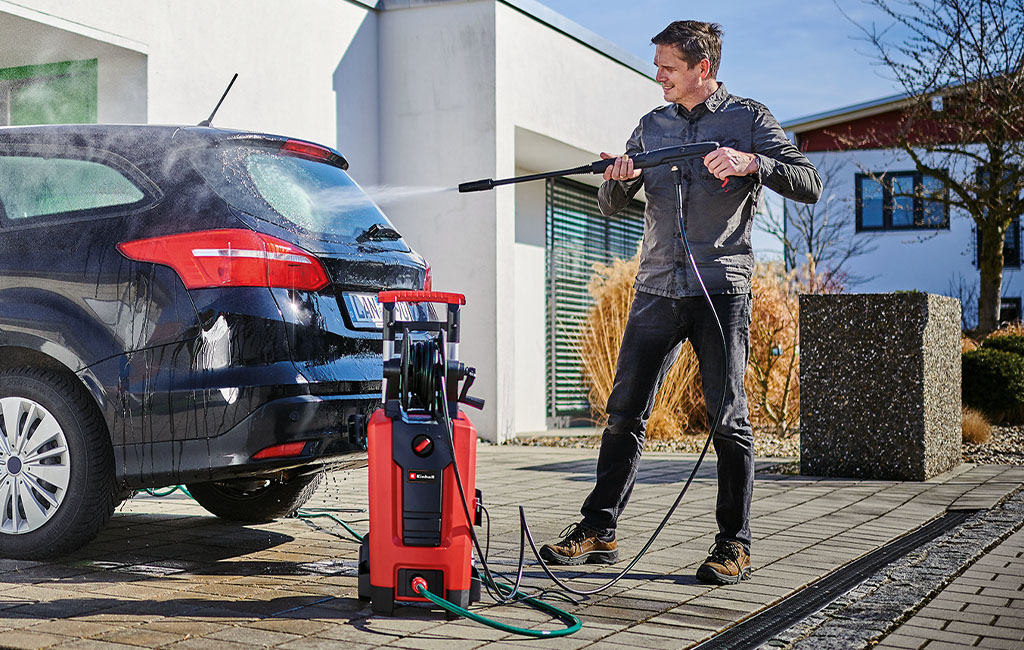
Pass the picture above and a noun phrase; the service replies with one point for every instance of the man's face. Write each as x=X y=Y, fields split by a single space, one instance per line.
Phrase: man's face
x=679 y=82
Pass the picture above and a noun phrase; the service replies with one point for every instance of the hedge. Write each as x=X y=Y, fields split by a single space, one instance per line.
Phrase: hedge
x=993 y=383
x=1009 y=343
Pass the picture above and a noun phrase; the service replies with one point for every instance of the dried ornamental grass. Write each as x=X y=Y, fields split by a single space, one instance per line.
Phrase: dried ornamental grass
x=679 y=405
x=1012 y=329
x=977 y=430
x=772 y=376
x=967 y=344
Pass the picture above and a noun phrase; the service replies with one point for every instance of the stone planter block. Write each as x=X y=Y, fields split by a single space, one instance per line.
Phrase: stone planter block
x=879 y=385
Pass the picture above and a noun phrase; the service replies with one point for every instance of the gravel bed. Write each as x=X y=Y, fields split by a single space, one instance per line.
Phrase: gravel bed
x=766 y=444
x=1005 y=448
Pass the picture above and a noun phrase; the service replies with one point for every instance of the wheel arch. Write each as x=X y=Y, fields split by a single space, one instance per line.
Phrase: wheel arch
x=12 y=356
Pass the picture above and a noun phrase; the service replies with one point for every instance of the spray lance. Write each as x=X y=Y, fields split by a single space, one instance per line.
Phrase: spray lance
x=641 y=160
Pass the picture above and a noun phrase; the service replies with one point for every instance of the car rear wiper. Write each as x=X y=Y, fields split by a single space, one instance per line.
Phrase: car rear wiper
x=379 y=232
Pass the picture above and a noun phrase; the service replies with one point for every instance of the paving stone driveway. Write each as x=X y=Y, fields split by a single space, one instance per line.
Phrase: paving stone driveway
x=166 y=574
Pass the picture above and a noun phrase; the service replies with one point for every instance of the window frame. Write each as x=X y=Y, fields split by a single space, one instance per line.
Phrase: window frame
x=1011 y=256
x=1005 y=301
x=151 y=193
x=885 y=180
x=85 y=70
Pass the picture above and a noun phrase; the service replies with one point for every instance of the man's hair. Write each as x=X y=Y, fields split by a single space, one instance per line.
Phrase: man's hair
x=694 y=40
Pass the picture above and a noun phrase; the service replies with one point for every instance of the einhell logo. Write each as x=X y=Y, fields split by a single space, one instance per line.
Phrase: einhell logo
x=421 y=476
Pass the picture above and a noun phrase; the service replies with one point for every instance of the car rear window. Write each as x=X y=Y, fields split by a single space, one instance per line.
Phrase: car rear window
x=315 y=197
x=35 y=186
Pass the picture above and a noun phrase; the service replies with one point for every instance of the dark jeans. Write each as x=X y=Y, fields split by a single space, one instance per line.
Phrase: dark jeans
x=656 y=329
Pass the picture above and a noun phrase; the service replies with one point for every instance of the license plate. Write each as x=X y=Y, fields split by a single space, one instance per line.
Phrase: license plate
x=367 y=313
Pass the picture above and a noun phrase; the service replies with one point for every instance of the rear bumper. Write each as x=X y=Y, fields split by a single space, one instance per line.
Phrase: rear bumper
x=322 y=421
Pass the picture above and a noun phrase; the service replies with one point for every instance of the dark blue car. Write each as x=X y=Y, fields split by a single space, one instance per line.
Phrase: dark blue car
x=181 y=305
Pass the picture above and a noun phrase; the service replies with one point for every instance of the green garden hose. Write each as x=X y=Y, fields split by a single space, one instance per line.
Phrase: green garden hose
x=312 y=514
x=574 y=623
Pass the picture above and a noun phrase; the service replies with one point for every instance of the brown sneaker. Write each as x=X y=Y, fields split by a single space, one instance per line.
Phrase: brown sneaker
x=726 y=564
x=578 y=546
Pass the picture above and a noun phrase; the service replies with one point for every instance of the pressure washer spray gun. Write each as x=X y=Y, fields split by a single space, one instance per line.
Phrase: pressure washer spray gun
x=642 y=160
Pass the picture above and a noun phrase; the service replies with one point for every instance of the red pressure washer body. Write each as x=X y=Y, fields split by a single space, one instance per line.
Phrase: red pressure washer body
x=418 y=527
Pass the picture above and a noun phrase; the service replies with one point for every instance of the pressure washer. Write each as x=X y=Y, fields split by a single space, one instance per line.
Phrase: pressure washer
x=422 y=454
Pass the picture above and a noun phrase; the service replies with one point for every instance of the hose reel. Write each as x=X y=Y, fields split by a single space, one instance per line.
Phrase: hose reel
x=419 y=380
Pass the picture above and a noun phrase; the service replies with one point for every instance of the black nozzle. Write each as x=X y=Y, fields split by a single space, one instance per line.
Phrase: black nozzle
x=477 y=186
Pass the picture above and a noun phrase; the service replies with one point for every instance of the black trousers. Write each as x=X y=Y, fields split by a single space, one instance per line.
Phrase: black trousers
x=656 y=329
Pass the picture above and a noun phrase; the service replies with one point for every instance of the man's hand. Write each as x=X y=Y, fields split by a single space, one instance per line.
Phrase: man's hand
x=621 y=169
x=726 y=161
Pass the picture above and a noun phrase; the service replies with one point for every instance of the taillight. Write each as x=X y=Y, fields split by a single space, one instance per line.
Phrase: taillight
x=307 y=150
x=231 y=258
x=427 y=280
x=286 y=450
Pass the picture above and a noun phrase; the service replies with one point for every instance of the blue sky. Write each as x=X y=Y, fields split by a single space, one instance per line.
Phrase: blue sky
x=797 y=57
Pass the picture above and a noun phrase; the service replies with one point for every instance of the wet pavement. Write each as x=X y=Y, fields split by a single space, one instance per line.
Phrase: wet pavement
x=166 y=574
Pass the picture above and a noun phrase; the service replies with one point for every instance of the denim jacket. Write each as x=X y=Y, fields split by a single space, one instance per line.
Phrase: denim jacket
x=717 y=219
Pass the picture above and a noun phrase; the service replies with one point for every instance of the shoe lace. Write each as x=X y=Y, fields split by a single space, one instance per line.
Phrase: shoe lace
x=573 y=535
x=723 y=552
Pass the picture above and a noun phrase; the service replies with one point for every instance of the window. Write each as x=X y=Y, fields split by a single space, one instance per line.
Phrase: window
x=54 y=93
x=578 y=236
x=33 y=186
x=897 y=201
x=1009 y=310
x=1011 y=246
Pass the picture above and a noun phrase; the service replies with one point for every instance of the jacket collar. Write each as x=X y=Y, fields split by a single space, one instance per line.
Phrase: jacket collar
x=711 y=104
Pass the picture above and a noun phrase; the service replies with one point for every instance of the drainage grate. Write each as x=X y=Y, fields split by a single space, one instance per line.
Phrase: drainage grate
x=763 y=626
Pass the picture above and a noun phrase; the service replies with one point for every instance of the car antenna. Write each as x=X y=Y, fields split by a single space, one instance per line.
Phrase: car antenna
x=209 y=121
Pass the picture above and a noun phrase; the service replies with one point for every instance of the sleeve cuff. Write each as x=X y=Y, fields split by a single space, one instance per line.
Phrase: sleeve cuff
x=765 y=167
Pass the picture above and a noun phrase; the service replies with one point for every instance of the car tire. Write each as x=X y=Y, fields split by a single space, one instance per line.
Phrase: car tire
x=254 y=501
x=57 y=486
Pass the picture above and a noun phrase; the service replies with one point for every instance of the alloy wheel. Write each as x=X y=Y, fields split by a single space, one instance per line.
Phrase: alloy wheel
x=35 y=466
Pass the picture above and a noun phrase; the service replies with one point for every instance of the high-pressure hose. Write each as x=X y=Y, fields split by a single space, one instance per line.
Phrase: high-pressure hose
x=677 y=176
x=524 y=526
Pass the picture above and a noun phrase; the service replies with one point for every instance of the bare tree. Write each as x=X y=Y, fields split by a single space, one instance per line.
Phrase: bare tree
x=960 y=64
x=967 y=293
x=819 y=233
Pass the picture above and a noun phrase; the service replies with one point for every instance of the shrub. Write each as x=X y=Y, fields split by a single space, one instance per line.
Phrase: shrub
x=993 y=383
x=977 y=430
x=1006 y=342
x=967 y=344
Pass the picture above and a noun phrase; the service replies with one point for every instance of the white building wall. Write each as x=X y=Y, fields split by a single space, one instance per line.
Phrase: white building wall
x=530 y=342
x=121 y=64
x=559 y=104
x=286 y=55
x=934 y=261
x=437 y=107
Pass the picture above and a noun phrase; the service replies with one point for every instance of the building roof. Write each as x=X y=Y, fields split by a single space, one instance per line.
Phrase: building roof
x=846 y=113
x=546 y=16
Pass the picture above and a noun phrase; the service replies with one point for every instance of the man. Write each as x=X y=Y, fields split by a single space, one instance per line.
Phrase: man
x=720 y=195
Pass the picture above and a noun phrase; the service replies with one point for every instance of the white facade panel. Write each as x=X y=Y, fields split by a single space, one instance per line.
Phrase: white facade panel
x=559 y=104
